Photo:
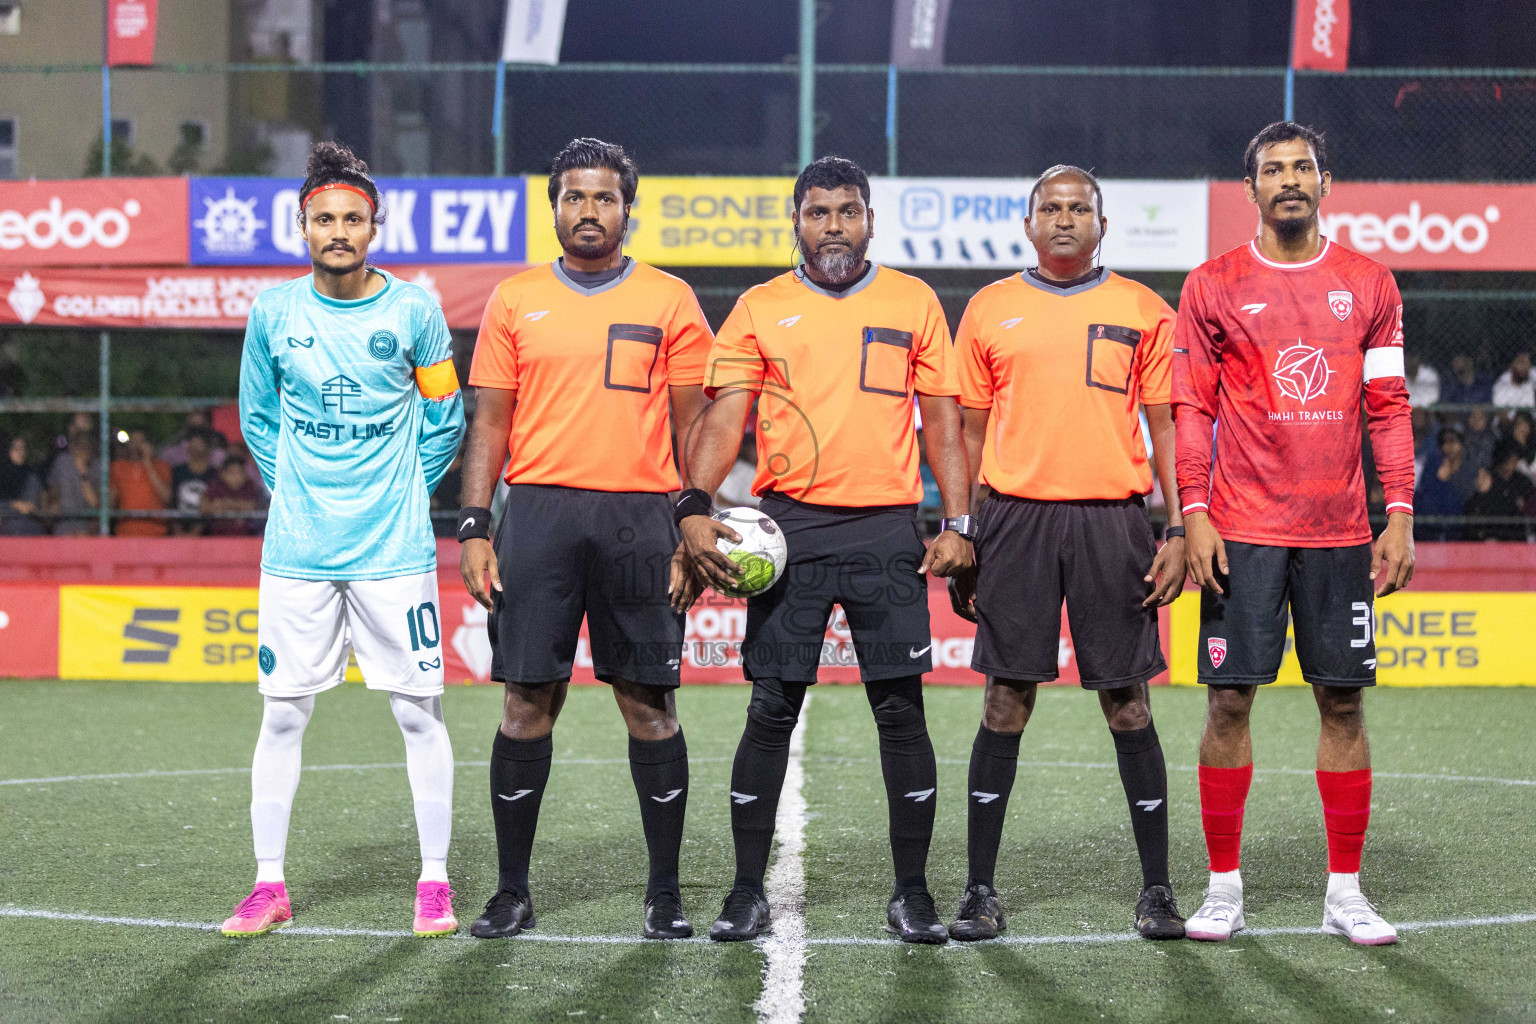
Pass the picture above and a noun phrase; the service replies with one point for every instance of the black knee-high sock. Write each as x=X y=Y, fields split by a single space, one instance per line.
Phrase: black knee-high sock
x=660 y=771
x=757 y=777
x=519 y=772
x=994 y=762
x=911 y=777
x=1145 y=778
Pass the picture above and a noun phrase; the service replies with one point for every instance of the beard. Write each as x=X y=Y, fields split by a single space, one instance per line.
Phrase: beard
x=591 y=250
x=1293 y=228
x=839 y=265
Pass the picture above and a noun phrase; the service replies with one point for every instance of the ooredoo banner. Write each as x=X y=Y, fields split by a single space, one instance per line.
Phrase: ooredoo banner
x=979 y=222
x=1320 y=35
x=254 y=221
x=206 y=297
x=1406 y=225
x=93 y=221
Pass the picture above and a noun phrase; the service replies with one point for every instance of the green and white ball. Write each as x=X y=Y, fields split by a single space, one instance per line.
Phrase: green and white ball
x=761 y=553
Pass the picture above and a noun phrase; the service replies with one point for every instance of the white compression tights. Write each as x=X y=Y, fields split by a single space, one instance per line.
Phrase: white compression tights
x=275 y=776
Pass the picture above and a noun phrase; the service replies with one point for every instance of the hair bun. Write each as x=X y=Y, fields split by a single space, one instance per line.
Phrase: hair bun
x=327 y=158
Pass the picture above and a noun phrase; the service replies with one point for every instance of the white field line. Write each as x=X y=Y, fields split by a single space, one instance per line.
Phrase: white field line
x=165 y=774
x=626 y=940
x=783 y=997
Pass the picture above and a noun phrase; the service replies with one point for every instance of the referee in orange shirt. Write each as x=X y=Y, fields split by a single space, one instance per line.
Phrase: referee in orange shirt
x=581 y=368
x=833 y=352
x=1053 y=363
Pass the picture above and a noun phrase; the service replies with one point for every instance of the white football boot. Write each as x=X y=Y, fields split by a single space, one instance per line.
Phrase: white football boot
x=1347 y=912
x=1219 y=917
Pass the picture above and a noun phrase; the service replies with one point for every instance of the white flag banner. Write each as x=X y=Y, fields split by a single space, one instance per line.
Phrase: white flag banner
x=979 y=222
x=533 y=31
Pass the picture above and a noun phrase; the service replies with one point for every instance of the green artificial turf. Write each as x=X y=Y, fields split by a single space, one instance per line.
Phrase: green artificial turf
x=176 y=848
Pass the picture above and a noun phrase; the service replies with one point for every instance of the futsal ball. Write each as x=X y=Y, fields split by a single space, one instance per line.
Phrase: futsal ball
x=760 y=554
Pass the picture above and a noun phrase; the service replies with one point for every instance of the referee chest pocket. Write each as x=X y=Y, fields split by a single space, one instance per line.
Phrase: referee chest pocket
x=886 y=361
x=1111 y=350
x=633 y=350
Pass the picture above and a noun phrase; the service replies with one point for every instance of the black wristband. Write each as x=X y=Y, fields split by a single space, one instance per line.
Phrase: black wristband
x=693 y=502
x=474 y=522
x=1172 y=532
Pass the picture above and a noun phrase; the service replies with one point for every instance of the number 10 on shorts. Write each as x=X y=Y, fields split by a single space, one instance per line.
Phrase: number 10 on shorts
x=422 y=622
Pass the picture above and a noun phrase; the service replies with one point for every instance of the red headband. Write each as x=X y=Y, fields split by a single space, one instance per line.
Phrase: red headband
x=337 y=184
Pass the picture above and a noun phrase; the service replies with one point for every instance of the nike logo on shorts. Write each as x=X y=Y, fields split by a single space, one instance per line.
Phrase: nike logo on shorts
x=914 y=652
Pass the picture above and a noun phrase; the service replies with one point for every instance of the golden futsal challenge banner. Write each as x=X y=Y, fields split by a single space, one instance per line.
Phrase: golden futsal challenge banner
x=691 y=222
x=1423 y=638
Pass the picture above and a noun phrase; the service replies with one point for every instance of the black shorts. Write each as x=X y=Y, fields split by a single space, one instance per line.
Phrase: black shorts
x=1329 y=596
x=1030 y=555
x=564 y=553
x=864 y=559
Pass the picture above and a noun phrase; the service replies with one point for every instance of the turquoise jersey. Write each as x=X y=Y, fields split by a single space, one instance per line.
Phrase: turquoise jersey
x=345 y=440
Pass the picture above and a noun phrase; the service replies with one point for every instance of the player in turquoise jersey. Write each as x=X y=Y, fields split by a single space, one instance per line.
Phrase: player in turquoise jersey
x=350 y=405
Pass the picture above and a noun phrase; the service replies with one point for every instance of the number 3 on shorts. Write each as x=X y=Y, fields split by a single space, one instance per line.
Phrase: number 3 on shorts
x=422 y=622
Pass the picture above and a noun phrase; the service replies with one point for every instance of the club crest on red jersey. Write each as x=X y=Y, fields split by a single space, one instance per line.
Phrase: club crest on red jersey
x=1302 y=372
x=1216 y=647
x=1342 y=303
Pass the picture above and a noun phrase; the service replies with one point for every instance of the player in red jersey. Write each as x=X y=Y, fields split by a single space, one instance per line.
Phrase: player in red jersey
x=1276 y=343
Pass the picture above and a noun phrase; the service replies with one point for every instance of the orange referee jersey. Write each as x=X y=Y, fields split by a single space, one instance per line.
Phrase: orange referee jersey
x=1062 y=371
x=836 y=374
x=591 y=368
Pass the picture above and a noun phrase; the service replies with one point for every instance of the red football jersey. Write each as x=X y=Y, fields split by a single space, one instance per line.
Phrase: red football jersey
x=1270 y=362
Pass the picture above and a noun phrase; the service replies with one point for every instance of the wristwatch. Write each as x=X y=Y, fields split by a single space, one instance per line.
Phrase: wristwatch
x=965 y=526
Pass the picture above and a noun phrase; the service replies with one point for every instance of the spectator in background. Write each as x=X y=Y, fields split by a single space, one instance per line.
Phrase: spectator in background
x=140 y=483
x=1525 y=444
x=1466 y=386
x=233 y=491
x=1425 y=453
x=1444 y=489
x=1478 y=439
x=72 y=484
x=179 y=450
x=1515 y=388
x=21 y=493
x=1502 y=491
x=190 y=479
x=1423 y=381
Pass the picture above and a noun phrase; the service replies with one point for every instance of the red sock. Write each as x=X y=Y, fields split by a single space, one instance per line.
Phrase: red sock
x=1223 y=792
x=1346 y=812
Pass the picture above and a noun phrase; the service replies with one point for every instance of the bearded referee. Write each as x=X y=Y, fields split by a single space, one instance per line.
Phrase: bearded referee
x=834 y=352
x=581 y=369
x=1054 y=364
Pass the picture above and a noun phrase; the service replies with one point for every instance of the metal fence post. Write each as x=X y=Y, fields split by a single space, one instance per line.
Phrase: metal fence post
x=807 y=81
x=497 y=110
x=106 y=120
x=104 y=495
x=890 y=120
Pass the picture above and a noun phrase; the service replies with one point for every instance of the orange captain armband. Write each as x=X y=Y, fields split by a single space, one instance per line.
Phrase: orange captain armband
x=438 y=381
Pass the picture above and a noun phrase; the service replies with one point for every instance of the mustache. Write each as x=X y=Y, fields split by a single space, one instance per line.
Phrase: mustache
x=1287 y=196
x=339 y=247
x=588 y=223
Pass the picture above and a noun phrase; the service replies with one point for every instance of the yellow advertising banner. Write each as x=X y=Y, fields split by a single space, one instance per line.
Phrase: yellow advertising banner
x=171 y=634
x=691 y=222
x=1423 y=638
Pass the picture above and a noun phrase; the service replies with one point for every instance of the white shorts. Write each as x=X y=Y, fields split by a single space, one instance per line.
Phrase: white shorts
x=306 y=628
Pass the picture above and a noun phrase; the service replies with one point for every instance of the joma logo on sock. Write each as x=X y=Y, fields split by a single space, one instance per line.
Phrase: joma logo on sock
x=164 y=642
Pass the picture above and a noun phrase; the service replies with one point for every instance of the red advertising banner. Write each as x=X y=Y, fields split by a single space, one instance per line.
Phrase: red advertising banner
x=205 y=297
x=29 y=630
x=93 y=221
x=1406 y=225
x=131 y=31
x=712 y=641
x=1320 y=35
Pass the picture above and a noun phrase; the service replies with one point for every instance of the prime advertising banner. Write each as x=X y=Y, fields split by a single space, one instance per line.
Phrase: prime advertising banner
x=692 y=222
x=1406 y=225
x=206 y=297
x=93 y=221
x=1423 y=638
x=979 y=222
x=254 y=221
